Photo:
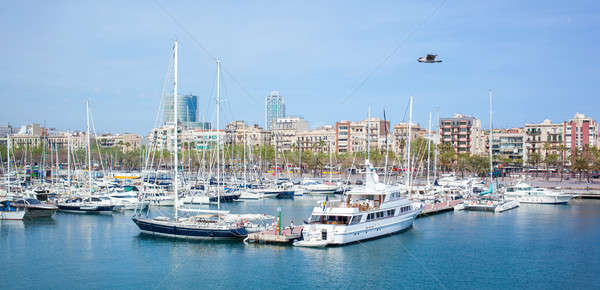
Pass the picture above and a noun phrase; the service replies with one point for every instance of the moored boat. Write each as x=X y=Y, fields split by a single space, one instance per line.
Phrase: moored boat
x=365 y=212
x=35 y=208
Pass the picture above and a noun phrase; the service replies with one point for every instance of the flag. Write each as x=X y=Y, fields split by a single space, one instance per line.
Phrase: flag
x=325 y=203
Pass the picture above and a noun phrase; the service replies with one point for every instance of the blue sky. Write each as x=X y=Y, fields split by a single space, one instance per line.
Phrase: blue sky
x=538 y=57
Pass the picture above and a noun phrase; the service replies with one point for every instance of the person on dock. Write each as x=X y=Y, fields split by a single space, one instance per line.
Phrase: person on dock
x=292 y=227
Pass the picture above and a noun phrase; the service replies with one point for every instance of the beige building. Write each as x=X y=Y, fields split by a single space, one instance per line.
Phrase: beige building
x=352 y=136
x=318 y=140
x=537 y=135
x=399 y=135
x=238 y=132
x=127 y=141
x=286 y=130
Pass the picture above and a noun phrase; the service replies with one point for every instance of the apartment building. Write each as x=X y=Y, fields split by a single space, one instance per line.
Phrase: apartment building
x=463 y=133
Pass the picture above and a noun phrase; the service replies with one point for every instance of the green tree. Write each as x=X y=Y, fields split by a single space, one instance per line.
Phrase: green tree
x=534 y=160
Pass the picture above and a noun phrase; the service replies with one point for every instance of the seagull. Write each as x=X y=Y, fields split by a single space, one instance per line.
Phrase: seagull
x=430 y=58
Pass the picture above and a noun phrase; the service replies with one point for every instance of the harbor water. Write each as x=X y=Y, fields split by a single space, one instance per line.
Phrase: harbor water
x=533 y=246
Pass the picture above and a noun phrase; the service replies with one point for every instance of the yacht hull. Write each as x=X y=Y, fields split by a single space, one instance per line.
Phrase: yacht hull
x=546 y=200
x=341 y=235
x=39 y=213
x=173 y=230
x=12 y=215
x=100 y=209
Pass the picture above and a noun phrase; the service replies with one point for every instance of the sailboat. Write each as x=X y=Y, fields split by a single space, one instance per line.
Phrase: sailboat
x=87 y=203
x=7 y=211
x=211 y=224
x=489 y=200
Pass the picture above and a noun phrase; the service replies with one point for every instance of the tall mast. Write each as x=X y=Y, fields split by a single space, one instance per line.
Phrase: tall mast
x=368 y=133
x=490 y=141
x=330 y=163
x=245 y=167
x=276 y=150
x=69 y=159
x=410 y=103
x=218 y=136
x=8 y=163
x=428 y=147
x=435 y=153
x=175 y=119
x=89 y=149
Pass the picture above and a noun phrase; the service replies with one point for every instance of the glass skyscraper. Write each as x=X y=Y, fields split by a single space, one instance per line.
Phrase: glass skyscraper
x=187 y=109
x=274 y=109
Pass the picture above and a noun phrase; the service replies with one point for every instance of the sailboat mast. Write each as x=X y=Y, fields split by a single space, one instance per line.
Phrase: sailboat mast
x=428 y=148
x=368 y=134
x=245 y=165
x=218 y=136
x=410 y=103
x=490 y=141
x=176 y=142
x=69 y=159
x=330 y=163
x=89 y=149
x=435 y=153
x=8 y=163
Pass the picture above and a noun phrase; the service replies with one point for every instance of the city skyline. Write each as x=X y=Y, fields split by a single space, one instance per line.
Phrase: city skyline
x=125 y=52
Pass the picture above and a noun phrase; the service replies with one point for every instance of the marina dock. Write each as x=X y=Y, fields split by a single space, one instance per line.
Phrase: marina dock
x=431 y=209
x=273 y=237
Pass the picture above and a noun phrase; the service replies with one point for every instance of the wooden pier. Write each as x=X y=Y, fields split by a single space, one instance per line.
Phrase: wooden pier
x=435 y=208
x=273 y=237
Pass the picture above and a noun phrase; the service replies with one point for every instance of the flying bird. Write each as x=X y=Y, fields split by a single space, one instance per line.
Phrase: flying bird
x=430 y=58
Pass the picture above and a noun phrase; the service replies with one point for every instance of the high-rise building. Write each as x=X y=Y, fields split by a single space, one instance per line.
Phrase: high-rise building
x=187 y=109
x=274 y=109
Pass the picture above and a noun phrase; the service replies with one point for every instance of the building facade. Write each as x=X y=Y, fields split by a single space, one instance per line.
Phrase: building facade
x=318 y=140
x=579 y=132
x=463 y=133
x=274 y=109
x=126 y=142
x=400 y=133
x=354 y=137
x=238 y=133
x=508 y=148
x=187 y=111
x=543 y=139
x=285 y=132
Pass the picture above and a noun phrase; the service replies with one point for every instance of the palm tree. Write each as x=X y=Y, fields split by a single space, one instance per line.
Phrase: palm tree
x=462 y=163
x=562 y=149
x=534 y=160
x=550 y=160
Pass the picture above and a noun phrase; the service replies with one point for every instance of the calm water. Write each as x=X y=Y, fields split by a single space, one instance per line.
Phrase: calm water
x=533 y=246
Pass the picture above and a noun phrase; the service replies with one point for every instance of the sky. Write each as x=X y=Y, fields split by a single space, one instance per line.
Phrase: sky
x=331 y=60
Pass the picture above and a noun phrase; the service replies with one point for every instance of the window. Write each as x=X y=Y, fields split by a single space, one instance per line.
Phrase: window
x=355 y=219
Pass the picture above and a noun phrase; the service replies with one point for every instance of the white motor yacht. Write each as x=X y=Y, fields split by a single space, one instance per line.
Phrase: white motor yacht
x=127 y=200
x=315 y=187
x=525 y=193
x=366 y=212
